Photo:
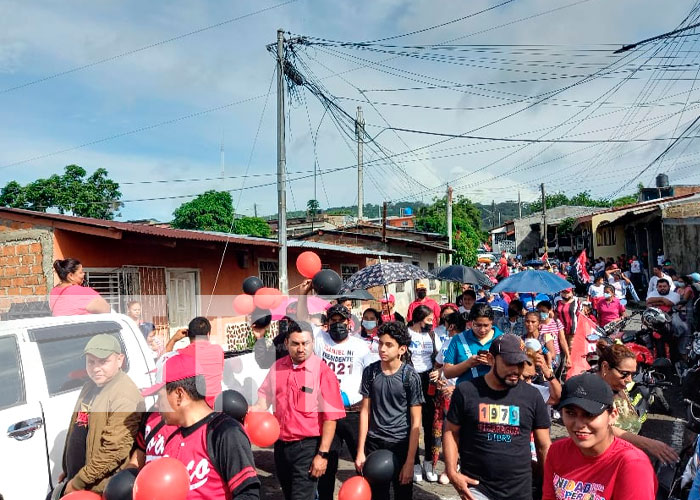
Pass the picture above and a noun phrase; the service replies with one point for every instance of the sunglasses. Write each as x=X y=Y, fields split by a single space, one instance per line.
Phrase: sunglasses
x=624 y=374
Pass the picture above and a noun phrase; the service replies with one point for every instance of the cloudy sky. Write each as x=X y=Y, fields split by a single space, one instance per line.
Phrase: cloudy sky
x=115 y=84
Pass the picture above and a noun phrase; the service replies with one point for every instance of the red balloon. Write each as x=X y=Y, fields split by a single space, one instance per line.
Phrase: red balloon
x=308 y=264
x=355 y=488
x=263 y=428
x=268 y=298
x=243 y=304
x=82 y=495
x=162 y=479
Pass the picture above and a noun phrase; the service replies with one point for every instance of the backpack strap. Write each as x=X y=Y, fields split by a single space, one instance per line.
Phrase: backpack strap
x=469 y=354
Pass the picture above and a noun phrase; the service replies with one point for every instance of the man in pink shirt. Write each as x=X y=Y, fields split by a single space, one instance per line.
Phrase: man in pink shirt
x=422 y=299
x=305 y=395
x=210 y=357
x=608 y=306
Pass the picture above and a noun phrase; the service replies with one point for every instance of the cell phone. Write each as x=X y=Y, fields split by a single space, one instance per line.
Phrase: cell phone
x=482 y=352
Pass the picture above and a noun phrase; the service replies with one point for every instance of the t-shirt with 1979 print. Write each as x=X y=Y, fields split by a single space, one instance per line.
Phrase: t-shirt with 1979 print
x=494 y=435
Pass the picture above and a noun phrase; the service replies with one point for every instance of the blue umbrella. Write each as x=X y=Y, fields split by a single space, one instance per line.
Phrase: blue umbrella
x=532 y=282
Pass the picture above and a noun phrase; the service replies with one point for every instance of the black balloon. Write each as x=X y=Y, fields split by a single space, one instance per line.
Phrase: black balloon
x=233 y=404
x=379 y=467
x=327 y=282
x=252 y=284
x=261 y=318
x=121 y=486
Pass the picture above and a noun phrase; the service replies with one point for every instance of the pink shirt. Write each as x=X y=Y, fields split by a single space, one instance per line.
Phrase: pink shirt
x=71 y=300
x=210 y=357
x=304 y=397
x=425 y=302
x=609 y=311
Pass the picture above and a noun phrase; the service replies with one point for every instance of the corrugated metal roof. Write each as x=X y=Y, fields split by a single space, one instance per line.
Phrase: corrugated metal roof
x=163 y=232
x=316 y=245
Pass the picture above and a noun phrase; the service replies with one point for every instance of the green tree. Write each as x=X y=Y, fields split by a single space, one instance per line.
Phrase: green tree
x=252 y=226
x=210 y=211
x=313 y=207
x=466 y=226
x=95 y=196
x=213 y=211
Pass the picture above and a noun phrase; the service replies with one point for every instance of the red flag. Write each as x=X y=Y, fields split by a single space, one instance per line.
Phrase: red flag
x=545 y=258
x=582 y=275
x=580 y=346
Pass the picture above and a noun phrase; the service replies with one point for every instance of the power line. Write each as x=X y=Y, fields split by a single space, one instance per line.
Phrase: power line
x=145 y=47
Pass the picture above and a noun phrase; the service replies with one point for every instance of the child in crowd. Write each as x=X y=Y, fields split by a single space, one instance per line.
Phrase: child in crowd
x=555 y=328
x=390 y=414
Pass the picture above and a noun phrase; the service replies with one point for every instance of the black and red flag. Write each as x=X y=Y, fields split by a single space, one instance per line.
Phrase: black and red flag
x=580 y=273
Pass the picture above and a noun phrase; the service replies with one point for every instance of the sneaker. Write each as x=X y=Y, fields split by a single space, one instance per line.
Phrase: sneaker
x=430 y=474
x=417 y=473
x=444 y=479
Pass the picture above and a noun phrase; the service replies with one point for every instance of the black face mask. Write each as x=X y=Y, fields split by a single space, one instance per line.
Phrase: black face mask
x=421 y=294
x=426 y=328
x=338 y=331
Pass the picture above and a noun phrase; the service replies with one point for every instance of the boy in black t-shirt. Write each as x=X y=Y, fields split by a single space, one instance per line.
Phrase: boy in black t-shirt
x=390 y=415
x=489 y=425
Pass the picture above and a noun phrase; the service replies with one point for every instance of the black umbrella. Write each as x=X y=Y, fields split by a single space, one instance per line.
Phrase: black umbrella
x=463 y=274
x=383 y=274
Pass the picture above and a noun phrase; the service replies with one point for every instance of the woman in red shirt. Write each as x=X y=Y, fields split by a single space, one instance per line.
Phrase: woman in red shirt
x=70 y=297
x=592 y=462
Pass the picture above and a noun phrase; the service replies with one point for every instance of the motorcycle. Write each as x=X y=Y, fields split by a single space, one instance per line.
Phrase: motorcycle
x=647 y=385
x=676 y=479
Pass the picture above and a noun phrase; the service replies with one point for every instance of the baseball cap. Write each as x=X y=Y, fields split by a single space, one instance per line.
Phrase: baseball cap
x=589 y=392
x=103 y=345
x=613 y=266
x=533 y=344
x=388 y=298
x=340 y=310
x=695 y=277
x=510 y=347
x=174 y=368
x=421 y=286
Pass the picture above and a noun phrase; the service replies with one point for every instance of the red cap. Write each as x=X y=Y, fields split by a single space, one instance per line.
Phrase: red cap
x=177 y=367
x=388 y=298
x=613 y=266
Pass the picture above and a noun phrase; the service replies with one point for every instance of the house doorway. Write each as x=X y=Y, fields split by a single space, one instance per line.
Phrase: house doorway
x=182 y=298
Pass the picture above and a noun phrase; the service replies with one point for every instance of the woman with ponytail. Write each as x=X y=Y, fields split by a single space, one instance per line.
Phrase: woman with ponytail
x=616 y=365
x=70 y=297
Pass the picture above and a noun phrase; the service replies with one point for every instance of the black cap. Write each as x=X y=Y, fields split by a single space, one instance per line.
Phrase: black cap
x=589 y=392
x=510 y=347
x=339 y=309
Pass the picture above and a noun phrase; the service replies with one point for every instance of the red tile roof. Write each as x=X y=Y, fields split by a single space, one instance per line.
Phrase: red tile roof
x=129 y=227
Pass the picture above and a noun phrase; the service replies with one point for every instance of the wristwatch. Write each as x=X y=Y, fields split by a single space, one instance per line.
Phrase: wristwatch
x=552 y=377
x=322 y=454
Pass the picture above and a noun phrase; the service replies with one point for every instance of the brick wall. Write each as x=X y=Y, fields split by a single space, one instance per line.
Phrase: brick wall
x=21 y=272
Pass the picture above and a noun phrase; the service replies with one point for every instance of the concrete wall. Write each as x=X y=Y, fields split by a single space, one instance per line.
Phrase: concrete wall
x=681 y=243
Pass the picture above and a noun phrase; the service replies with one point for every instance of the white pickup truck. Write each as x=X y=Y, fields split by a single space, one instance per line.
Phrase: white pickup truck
x=42 y=369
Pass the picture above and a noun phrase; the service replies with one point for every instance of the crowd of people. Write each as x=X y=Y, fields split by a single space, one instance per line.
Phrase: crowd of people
x=480 y=379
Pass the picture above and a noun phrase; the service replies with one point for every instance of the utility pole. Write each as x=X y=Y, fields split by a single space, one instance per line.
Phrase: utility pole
x=281 y=168
x=493 y=214
x=255 y=209
x=449 y=224
x=499 y=218
x=544 y=217
x=384 y=209
x=520 y=207
x=359 y=133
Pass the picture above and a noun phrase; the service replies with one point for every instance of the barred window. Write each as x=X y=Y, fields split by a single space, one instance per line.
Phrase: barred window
x=347 y=270
x=268 y=270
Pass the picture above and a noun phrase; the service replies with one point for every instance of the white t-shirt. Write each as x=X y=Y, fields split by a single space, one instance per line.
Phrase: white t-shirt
x=636 y=266
x=440 y=358
x=620 y=287
x=596 y=291
x=347 y=359
x=422 y=350
x=672 y=296
x=655 y=279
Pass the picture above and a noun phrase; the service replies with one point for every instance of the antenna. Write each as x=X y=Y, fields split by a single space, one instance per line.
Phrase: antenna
x=221 y=150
